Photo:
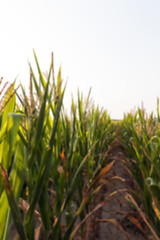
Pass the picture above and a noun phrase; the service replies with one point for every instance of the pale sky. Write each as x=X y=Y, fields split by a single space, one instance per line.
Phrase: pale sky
x=112 y=46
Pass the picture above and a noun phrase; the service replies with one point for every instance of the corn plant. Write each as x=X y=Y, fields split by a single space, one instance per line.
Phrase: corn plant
x=51 y=164
x=141 y=138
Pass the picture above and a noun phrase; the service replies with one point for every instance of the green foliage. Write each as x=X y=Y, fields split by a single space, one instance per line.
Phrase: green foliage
x=51 y=164
x=141 y=137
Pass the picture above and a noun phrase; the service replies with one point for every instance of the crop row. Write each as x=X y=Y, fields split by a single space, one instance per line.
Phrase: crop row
x=140 y=135
x=51 y=164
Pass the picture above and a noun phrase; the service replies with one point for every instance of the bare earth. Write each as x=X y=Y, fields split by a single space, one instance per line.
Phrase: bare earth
x=117 y=219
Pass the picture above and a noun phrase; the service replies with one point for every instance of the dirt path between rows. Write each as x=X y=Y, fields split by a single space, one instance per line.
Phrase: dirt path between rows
x=117 y=219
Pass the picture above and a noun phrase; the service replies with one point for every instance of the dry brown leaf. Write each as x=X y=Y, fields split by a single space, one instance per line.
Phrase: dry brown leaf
x=60 y=169
x=101 y=204
x=136 y=222
x=118 y=191
x=37 y=232
x=24 y=205
x=101 y=175
x=131 y=199
x=63 y=157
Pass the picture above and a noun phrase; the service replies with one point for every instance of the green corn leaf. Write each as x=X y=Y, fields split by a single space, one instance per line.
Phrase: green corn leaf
x=45 y=209
x=13 y=206
x=3 y=132
x=10 y=105
x=23 y=138
x=34 y=80
x=4 y=126
x=9 y=143
x=39 y=71
x=39 y=127
x=59 y=105
x=17 y=178
x=25 y=102
x=69 y=194
x=59 y=82
x=8 y=109
x=43 y=81
x=43 y=173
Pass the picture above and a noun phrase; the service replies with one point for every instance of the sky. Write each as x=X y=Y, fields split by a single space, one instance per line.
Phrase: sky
x=111 y=46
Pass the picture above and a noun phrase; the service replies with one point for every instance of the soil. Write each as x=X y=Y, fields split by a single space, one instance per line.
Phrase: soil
x=117 y=219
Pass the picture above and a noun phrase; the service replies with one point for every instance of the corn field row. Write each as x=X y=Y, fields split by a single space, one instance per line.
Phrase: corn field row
x=140 y=135
x=52 y=164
